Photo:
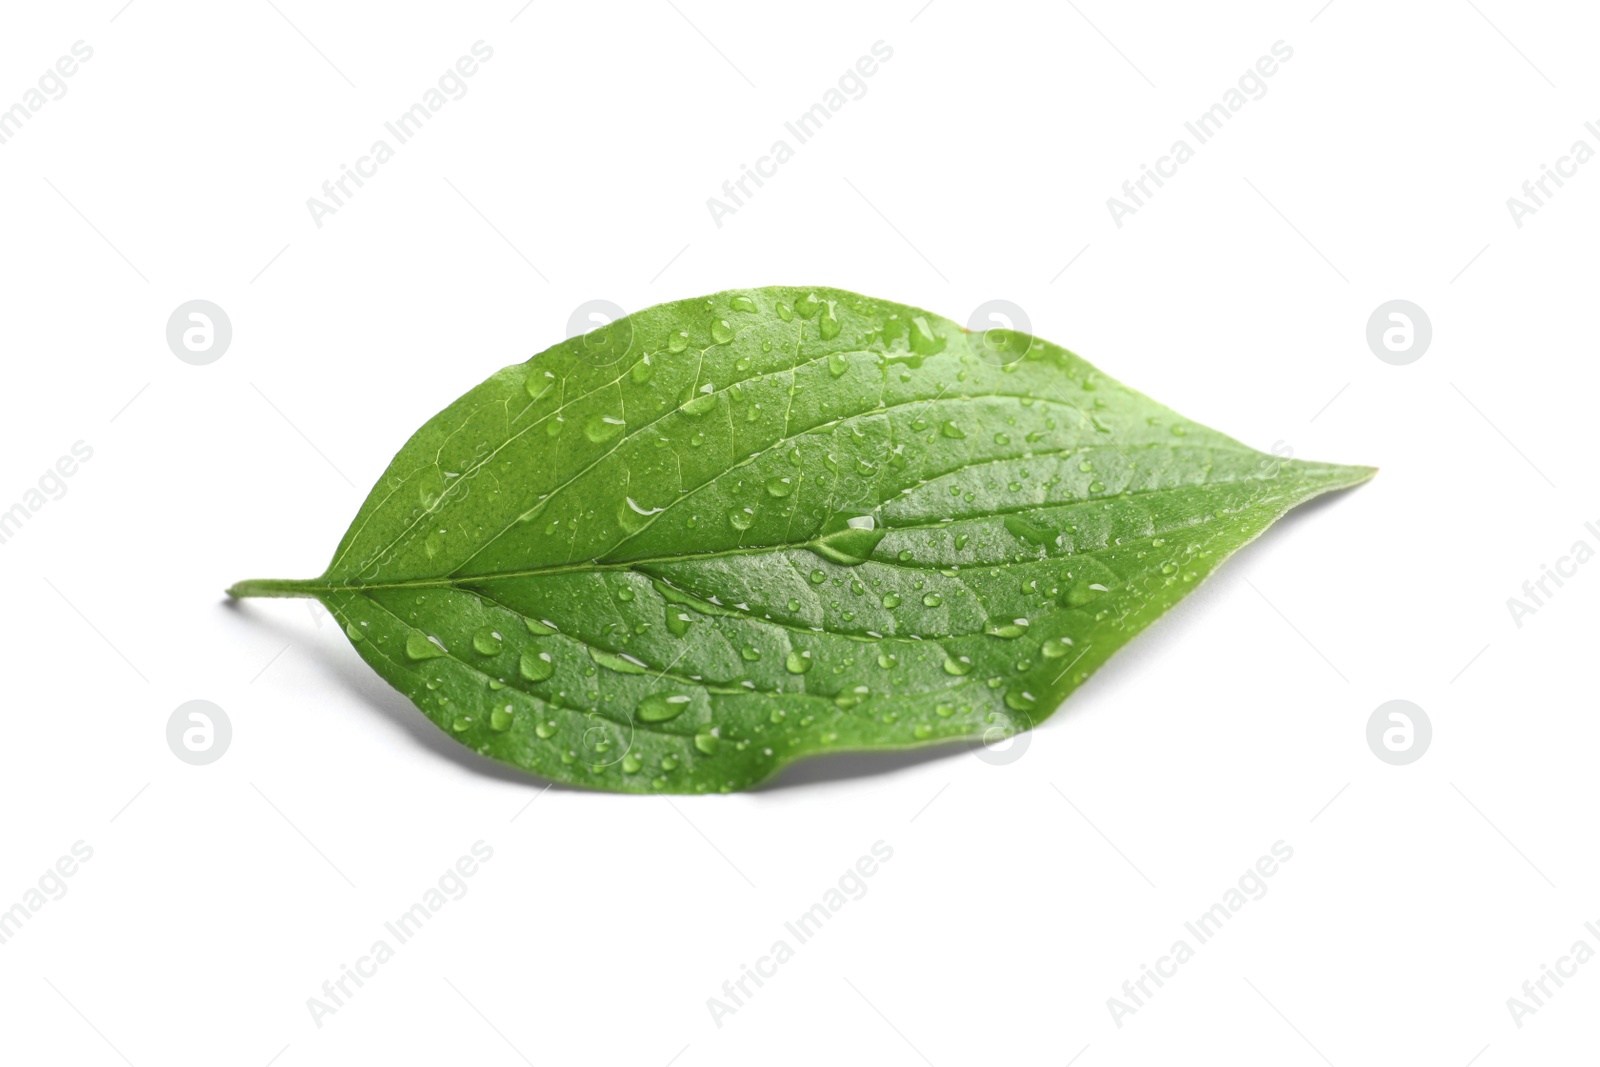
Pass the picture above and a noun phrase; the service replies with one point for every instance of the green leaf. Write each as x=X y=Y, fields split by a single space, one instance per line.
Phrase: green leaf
x=720 y=535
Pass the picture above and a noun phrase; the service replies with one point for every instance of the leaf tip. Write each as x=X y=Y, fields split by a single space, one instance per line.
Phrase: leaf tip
x=1338 y=475
x=1361 y=474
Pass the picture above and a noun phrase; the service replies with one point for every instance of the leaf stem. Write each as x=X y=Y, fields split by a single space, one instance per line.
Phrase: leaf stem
x=278 y=587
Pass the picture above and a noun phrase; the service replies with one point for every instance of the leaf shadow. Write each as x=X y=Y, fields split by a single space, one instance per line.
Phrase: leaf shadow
x=844 y=766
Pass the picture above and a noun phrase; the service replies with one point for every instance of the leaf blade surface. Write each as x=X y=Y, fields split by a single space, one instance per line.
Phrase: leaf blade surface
x=723 y=534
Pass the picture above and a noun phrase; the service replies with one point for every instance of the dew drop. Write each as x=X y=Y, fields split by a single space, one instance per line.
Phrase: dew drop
x=697 y=402
x=1056 y=647
x=602 y=428
x=420 y=646
x=924 y=342
x=852 y=697
x=633 y=516
x=828 y=324
x=539 y=383
x=1031 y=532
x=1019 y=699
x=1083 y=593
x=536 y=666
x=1006 y=628
x=662 y=707
x=488 y=641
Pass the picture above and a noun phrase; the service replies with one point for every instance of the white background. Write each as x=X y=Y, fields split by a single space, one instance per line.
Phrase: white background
x=977 y=166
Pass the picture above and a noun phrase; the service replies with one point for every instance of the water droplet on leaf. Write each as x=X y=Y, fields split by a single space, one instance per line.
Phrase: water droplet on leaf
x=420 y=646
x=536 y=666
x=662 y=707
x=957 y=665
